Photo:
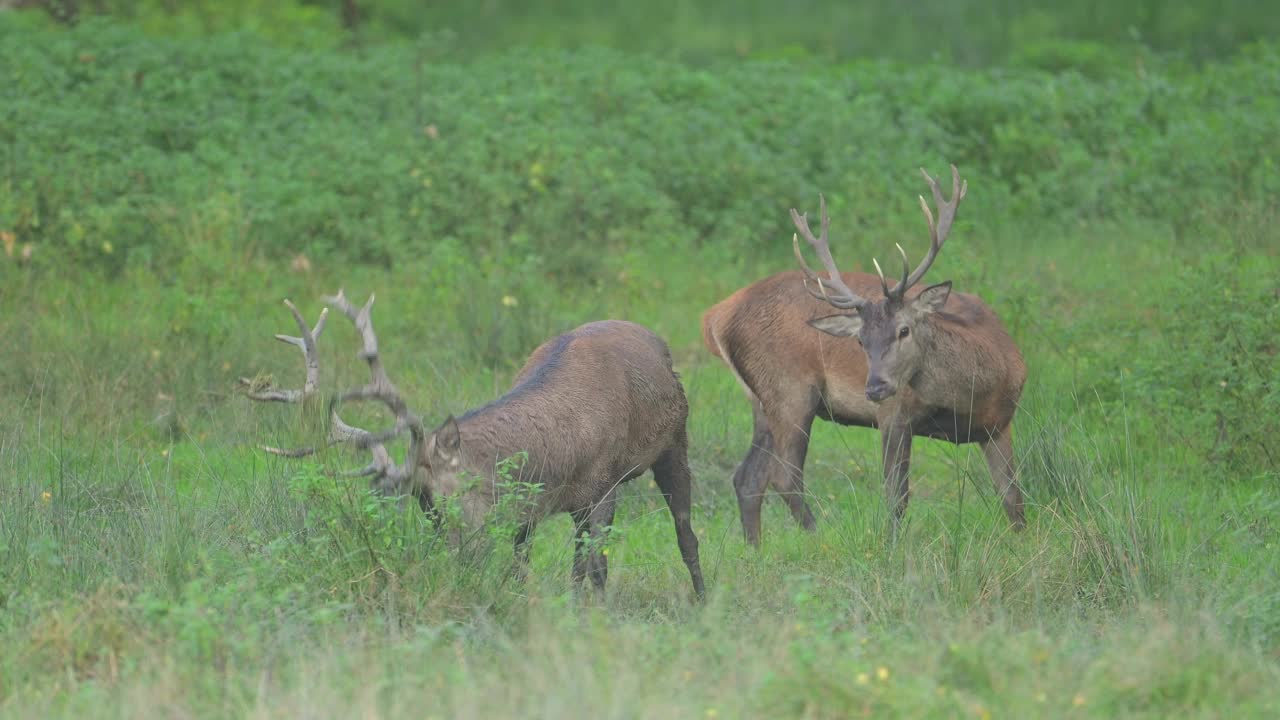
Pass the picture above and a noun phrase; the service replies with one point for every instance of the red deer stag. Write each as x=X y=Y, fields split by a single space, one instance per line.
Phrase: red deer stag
x=591 y=409
x=927 y=362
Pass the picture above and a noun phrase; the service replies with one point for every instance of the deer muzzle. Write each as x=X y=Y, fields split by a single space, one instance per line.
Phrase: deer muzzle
x=879 y=389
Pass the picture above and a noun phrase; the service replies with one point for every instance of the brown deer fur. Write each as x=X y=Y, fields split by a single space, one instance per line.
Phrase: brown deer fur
x=962 y=383
x=590 y=409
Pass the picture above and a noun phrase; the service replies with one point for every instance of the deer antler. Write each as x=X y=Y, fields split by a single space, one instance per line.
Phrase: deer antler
x=937 y=233
x=386 y=473
x=307 y=344
x=844 y=298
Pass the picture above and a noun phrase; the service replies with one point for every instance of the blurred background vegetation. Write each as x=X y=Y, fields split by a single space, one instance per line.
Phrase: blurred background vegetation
x=972 y=33
x=357 y=128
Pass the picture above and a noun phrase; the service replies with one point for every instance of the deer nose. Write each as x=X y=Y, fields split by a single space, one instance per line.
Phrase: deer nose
x=878 y=389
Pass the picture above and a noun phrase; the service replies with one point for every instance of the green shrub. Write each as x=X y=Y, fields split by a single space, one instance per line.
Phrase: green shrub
x=972 y=32
x=1215 y=358
x=119 y=150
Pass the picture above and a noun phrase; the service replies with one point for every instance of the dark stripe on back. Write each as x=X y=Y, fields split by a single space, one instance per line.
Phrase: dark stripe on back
x=536 y=380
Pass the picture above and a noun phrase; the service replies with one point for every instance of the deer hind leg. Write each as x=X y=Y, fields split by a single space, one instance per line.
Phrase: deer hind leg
x=998 y=449
x=790 y=446
x=895 y=446
x=590 y=528
x=751 y=479
x=671 y=475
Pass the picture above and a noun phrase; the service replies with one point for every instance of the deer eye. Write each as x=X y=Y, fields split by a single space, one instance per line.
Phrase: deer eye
x=903 y=332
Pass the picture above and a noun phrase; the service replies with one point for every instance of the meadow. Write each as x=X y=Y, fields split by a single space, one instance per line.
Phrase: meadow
x=164 y=184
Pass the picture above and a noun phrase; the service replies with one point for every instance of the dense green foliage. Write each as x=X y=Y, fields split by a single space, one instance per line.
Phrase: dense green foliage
x=554 y=157
x=971 y=32
x=161 y=191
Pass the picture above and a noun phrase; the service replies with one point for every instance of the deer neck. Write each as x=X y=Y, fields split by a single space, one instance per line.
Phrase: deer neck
x=931 y=378
x=498 y=431
x=950 y=373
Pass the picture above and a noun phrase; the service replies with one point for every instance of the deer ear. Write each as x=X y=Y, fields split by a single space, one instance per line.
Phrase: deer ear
x=838 y=325
x=932 y=298
x=447 y=438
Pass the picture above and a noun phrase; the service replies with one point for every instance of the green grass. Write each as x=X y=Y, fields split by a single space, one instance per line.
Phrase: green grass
x=174 y=570
x=153 y=562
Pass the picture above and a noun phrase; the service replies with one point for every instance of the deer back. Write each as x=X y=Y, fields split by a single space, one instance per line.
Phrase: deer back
x=762 y=333
x=590 y=408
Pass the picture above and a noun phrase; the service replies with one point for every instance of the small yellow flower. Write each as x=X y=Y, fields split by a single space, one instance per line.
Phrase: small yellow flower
x=712 y=712
x=46 y=496
x=862 y=679
x=164 y=453
x=605 y=552
x=1078 y=700
x=882 y=673
x=509 y=301
x=107 y=247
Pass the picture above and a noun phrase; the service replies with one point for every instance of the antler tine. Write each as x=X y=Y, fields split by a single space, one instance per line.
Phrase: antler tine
x=844 y=298
x=363 y=321
x=306 y=342
x=339 y=432
x=821 y=293
x=884 y=284
x=901 y=288
x=937 y=233
x=292 y=453
x=379 y=467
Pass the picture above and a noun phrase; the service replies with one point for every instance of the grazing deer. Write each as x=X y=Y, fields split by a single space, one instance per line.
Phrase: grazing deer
x=927 y=362
x=591 y=409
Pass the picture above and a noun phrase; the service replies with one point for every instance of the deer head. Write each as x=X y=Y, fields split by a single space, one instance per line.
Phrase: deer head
x=896 y=332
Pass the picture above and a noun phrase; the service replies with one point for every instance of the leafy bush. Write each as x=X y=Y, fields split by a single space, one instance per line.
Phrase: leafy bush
x=972 y=32
x=1217 y=361
x=121 y=151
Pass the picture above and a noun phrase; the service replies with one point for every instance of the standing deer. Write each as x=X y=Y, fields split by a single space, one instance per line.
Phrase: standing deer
x=591 y=409
x=927 y=362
